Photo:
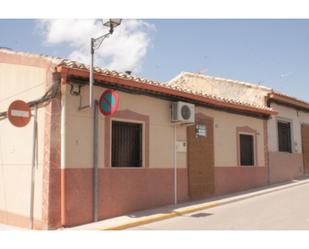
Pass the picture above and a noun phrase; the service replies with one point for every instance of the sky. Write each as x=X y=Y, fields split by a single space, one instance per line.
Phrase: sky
x=274 y=53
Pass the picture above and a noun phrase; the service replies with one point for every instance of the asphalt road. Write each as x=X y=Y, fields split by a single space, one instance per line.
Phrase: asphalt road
x=286 y=209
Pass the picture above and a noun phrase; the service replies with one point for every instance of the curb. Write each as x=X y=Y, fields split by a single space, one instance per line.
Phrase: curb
x=262 y=193
x=158 y=217
x=197 y=207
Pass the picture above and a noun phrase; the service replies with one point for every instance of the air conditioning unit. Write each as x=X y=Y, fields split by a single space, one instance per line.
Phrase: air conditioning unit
x=183 y=112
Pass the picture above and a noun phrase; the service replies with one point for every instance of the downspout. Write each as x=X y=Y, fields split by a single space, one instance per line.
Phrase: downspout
x=63 y=162
x=175 y=166
x=34 y=146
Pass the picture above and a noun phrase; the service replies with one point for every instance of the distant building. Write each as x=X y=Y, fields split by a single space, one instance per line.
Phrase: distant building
x=232 y=144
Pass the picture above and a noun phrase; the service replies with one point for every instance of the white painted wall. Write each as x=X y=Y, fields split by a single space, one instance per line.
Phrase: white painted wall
x=25 y=83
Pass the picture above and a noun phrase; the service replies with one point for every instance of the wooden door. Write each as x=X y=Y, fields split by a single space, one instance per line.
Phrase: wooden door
x=305 y=147
x=201 y=159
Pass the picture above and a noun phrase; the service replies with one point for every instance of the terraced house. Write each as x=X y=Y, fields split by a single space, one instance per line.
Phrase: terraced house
x=191 y=138
x=288 y=130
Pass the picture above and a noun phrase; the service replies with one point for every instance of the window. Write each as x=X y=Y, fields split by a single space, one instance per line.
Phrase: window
x=246 y=150
x=126 y=144
x=284 y=136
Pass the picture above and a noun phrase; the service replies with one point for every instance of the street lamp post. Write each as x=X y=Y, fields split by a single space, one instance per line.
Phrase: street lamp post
x=95 y=43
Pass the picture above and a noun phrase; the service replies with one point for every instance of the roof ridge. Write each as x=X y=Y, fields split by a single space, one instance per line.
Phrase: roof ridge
x=222 y=79
x=214 y=97
x=231 y=100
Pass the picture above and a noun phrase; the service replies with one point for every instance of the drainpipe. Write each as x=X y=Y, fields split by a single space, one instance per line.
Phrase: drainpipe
x=63 y=160
x=175 y=167
x=34 y=143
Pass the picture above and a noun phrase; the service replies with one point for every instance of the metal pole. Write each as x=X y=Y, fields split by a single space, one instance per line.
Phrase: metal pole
x=95 y=162
x=175 y=167
x=91 y=73
x=33 y=167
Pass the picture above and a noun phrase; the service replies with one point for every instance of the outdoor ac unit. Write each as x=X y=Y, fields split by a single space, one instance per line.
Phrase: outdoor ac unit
x=183 y=112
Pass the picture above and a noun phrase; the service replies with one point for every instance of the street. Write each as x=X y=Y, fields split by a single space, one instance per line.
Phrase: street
x=285 y=209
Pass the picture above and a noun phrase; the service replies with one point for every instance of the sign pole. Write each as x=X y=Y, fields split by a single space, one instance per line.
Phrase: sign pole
x=95 y=163
x=33 y=167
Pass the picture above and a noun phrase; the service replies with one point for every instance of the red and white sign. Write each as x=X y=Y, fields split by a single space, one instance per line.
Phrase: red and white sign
x=19 y=113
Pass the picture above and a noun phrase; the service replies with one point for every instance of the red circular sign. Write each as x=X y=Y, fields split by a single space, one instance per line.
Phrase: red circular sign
x=108 y=102
x=19 y=113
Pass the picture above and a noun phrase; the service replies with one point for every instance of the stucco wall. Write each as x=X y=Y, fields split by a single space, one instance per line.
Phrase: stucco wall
x=121 y=190
x=288 y=114
x=25 y=83
x=284 y=165
x=78 y=130
x=225 y=142
x=304 y=117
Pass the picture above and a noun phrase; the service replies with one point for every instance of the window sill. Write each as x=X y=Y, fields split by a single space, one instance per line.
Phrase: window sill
x=287 y=152
x=126 y=167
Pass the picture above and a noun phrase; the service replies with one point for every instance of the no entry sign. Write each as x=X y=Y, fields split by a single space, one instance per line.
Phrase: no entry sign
x=108 y=102
x=19 y=113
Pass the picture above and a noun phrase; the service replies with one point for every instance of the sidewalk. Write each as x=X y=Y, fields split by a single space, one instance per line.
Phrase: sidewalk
x=166 y=212
x=4 y=227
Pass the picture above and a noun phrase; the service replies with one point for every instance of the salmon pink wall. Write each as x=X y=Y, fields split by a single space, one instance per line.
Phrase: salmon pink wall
x=285 y=166
x=234 y=179
x=121 y=191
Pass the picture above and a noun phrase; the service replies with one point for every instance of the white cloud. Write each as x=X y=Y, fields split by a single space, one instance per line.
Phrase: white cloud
x=123 y=50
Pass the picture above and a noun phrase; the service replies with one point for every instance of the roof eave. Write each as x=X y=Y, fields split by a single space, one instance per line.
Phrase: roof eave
x=290 y=101
x=164 y=90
